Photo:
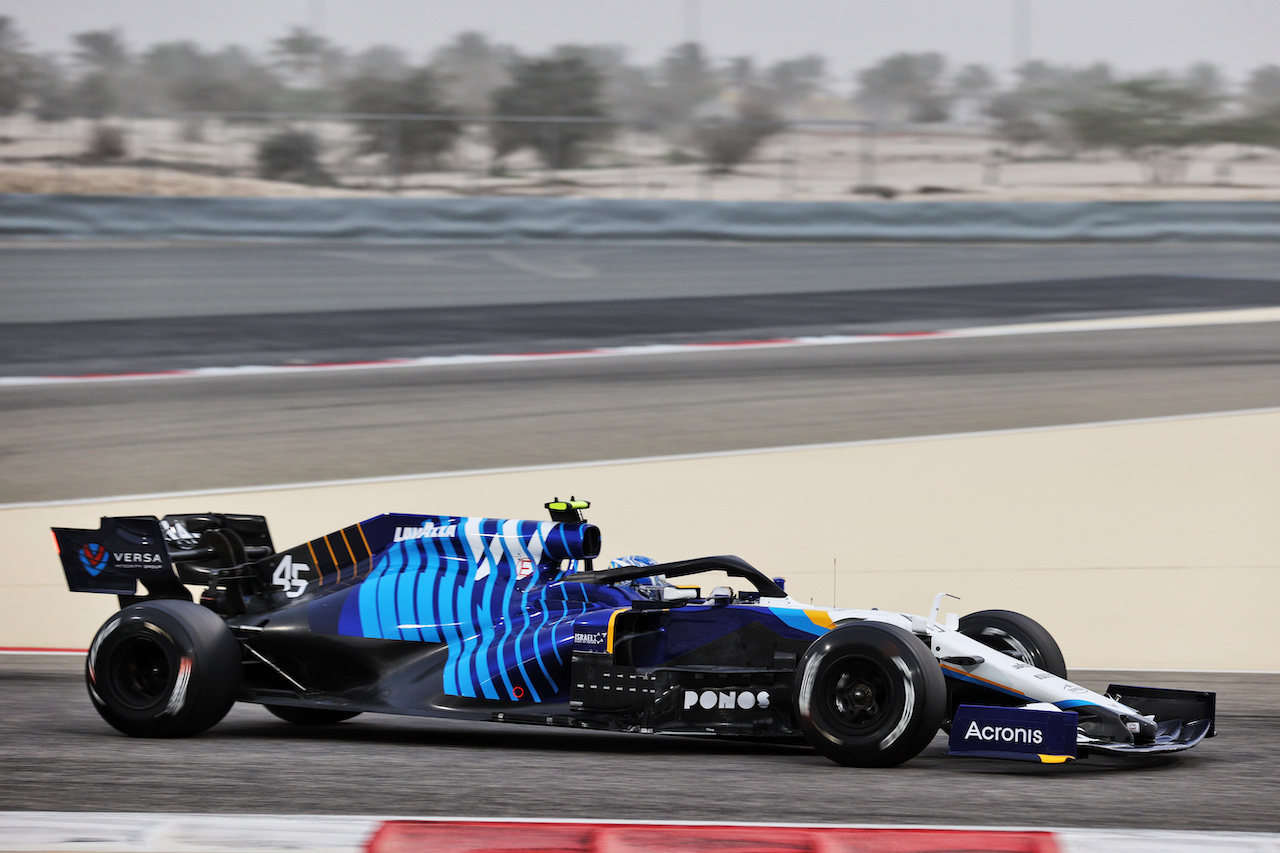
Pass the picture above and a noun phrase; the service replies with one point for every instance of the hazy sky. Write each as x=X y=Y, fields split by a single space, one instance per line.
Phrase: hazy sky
x=1133 y=35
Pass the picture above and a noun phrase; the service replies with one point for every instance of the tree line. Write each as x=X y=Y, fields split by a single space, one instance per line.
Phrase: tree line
x=725 y=108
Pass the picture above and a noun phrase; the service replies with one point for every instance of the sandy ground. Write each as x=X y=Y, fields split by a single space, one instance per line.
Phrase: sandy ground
x=816 y=164
x=1129 y=560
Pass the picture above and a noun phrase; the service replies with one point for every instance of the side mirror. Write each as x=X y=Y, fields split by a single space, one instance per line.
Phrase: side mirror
x=680 y=593
x=782 y=583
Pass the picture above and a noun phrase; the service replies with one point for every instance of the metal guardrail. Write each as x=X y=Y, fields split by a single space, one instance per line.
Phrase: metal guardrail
x=507 y=219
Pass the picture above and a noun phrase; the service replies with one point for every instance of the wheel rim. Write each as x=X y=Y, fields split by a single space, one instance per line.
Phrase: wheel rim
x=140 y=672
x=858 y=692
x=1004 y=642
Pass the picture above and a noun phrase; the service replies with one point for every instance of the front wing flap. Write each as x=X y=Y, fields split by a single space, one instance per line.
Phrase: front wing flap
x=1171 y=736
x=1183 y=719
x=1165 y=703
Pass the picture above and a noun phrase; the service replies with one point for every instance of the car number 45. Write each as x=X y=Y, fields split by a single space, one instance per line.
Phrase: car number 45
x=286 y=577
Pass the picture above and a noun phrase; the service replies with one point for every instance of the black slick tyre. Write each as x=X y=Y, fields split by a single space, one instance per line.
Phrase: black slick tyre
x=163 y=669
x=869 y=695
x=1017 y=636
x=310 y=716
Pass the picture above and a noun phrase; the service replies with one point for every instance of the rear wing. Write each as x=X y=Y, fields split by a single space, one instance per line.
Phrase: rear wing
x=161 y=553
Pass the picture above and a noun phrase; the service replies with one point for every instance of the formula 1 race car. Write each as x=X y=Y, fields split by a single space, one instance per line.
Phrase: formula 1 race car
x=510 y=621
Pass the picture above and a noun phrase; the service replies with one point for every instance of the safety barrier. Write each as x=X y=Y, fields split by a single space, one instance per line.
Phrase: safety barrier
x=532 y=219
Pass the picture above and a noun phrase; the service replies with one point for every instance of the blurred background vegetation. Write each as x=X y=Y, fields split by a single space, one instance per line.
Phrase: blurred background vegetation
x=316 y=114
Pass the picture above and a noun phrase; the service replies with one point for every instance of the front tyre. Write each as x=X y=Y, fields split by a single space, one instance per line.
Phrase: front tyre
x=869 y=695
x=1017 y=636
x=163 y=669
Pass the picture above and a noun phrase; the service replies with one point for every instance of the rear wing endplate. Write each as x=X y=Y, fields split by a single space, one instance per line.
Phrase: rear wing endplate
x=113 y=558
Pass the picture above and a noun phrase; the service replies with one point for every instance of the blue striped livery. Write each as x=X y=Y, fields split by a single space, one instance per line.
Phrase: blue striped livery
x=486 y=588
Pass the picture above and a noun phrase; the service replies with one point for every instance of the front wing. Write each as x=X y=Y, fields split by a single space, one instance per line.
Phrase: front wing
x=1124 y=721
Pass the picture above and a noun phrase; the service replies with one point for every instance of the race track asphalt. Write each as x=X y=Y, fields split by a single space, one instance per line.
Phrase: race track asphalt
x=121 y=308
x=67 y=280
x=207 y=304
x=57 y=754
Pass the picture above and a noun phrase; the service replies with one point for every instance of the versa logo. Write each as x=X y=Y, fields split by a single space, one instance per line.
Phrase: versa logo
x=94 y=558
x=138 y=558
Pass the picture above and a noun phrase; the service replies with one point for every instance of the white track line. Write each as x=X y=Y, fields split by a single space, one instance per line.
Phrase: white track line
x=1102 y=324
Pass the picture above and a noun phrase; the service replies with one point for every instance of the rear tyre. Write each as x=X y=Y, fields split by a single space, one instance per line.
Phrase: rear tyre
x=869 y=695
x=310 y=716
x=163 y=669
x=1017 y=636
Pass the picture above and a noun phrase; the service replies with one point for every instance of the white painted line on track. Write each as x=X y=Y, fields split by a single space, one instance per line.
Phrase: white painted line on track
x=1164 y=841
x=1230 y=317
x=1101 y=324
x=182 y=833
x=639 y=460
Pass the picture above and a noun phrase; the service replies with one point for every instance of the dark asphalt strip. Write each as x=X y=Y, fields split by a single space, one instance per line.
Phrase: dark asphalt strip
x=124 y=346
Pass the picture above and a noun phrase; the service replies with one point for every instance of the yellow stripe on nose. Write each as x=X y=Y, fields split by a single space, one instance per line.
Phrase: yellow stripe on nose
x=820 y=618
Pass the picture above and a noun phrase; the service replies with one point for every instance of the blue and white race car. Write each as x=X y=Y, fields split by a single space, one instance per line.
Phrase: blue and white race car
x=510 y=621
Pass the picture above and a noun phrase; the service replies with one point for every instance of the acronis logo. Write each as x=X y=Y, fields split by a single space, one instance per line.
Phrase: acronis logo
x=94 y=558
x=1003 y=734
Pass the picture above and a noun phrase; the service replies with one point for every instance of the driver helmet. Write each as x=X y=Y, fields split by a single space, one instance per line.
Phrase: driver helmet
x=650 y=586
